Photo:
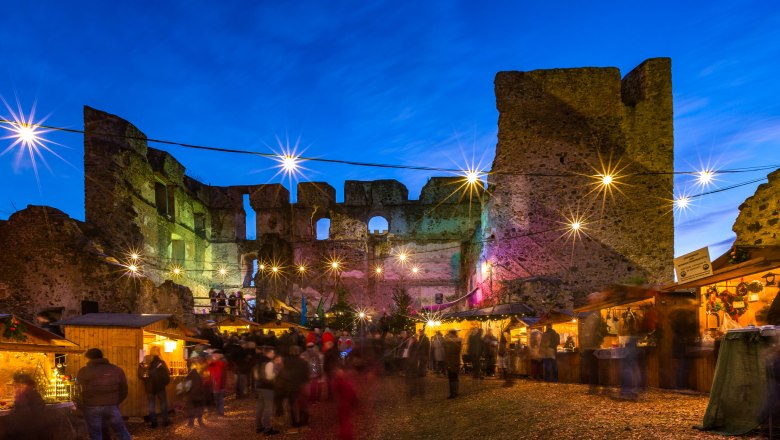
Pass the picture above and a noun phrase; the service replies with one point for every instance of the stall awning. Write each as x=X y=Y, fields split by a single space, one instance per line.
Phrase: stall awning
x=497 y=311
x=558 y=316
x=37 y=340
x=616 y=295
x=176 y=336
x=762 y=258
x=740 y=270
x=235 y=321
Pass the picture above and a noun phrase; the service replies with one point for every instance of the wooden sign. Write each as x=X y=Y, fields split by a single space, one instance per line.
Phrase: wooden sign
x=693 y=266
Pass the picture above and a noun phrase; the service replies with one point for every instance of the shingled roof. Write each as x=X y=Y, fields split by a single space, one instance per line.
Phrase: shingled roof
x=132 y=320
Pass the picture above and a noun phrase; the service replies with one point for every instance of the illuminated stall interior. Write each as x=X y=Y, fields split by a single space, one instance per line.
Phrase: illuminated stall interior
x=125 y=339
x=27 y=348
x=565 y=323
x=234 y=324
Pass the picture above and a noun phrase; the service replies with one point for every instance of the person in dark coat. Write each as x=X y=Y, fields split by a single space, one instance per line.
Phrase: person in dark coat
x=475 y=352
x=213 y=299
x=194 y=391
x=232 y=304
x=330 y=361
x=490 y=352
x=28 y=420
x=265 y=370
x=452 y=349
x=221 y=297
x=155 y=376
x=103 y=388
x=295 y=376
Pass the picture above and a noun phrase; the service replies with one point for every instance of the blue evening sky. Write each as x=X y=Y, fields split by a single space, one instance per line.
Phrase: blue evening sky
x=393 y=82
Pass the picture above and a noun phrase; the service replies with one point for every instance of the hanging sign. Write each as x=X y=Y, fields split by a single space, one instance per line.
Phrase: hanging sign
x=693 y=266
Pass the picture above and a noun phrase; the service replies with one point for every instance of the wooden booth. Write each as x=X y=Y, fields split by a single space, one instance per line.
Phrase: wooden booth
x=124 y=339
x=513 y=318
x=235 y=324
x=650 y=317
x=27 y=348
x=566 y=324
x=744 y=283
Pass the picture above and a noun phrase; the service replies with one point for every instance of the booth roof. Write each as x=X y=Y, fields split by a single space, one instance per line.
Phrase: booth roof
x=762 y=258
x=497 y=310
x=132 y=320
x=616 y=295
x=233 y=321
x=56 y=343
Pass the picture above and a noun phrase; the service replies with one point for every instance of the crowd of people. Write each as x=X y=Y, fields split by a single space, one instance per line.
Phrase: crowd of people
x=287 y=373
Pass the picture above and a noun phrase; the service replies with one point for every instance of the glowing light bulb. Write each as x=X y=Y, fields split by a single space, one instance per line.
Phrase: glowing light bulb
x=132 y=268
x=607 y=179
x=378 y=270
x=289 y=163
x=223 y=271
x=334 y=264
x=261 y=267
x=274 y=269
x=415 y=269
x=705 y=177
x=682 y=202
x=472 y=177
x=402 y=257
x=362 y=315
x=134 y=256
x=575 y=226
x=301 y=268
x=176 y=271
x=431 y=323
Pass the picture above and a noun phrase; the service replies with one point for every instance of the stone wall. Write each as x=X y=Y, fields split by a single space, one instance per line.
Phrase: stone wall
x=557 y=129
x=53 y=261
x=758 y=222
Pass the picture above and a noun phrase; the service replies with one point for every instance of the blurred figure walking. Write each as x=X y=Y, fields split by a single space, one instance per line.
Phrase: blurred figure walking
x=452 y=349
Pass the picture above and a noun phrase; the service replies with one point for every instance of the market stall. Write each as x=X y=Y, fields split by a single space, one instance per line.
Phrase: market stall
x=738 y=294
x=124 y=339
x=651 y=318
x=566 y=324
x=234 y=324
x=26 y=348
x=512 y=317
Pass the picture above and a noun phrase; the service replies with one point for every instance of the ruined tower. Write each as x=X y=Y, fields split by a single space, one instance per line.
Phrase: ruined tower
x=558 y=131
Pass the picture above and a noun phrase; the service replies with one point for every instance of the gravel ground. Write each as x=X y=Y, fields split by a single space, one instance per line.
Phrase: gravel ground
x=485 y=409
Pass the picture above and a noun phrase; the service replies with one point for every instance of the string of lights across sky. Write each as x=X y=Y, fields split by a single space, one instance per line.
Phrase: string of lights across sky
x=27 y=136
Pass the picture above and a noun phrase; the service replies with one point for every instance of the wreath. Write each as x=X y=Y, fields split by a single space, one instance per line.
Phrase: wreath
x=734 y=304
x=14 y=329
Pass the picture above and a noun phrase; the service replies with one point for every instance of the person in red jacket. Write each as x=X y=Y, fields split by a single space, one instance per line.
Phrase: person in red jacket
x=217 y=375
x=327 y=336
x=346 y=396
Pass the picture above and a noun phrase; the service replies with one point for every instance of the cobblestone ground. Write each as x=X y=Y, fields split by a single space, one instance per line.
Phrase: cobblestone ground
x=485 y=409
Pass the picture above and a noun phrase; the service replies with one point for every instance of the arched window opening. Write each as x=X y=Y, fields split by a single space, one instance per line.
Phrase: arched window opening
x=378 y=225
x=323 y=229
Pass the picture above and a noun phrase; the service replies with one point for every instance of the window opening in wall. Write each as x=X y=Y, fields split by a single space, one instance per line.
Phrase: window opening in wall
x=164 y=199
x=378 y=225
x=323 y=229
x=178 y=252
x=251 y=219
x=200 y=224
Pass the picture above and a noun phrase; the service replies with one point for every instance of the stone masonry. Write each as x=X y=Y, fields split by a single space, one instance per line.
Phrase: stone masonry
x=584 y=122
x=758 y=222
x=509 y=244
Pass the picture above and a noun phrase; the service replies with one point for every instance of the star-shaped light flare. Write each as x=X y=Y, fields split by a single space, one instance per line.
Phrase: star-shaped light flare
x=26 y=135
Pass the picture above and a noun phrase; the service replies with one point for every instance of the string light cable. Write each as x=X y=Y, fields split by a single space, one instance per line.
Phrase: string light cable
x=287 y=160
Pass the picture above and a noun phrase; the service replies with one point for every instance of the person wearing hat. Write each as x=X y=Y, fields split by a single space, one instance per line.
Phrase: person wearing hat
x=103 y=388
